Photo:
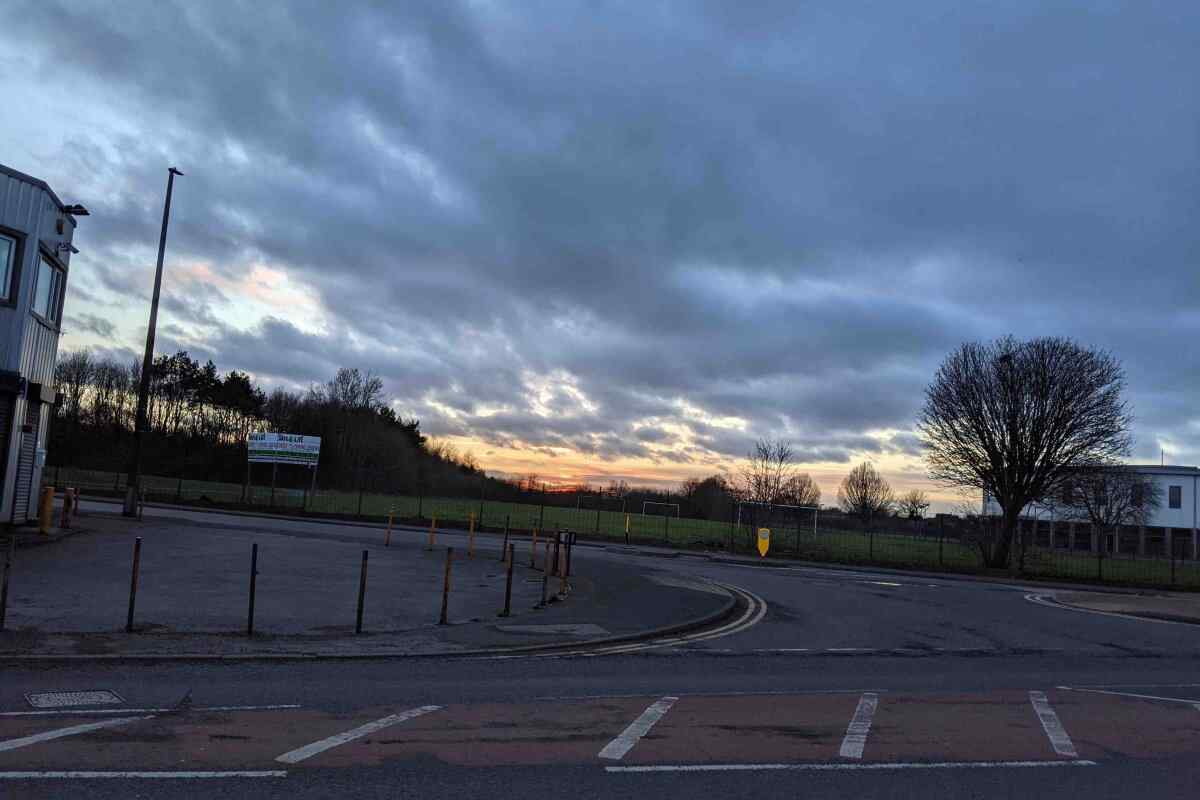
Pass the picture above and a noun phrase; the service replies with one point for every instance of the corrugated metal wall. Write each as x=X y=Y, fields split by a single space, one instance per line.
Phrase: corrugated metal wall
x=28 y=209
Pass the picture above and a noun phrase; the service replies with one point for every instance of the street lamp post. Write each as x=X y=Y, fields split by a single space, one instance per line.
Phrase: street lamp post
x=133 y=485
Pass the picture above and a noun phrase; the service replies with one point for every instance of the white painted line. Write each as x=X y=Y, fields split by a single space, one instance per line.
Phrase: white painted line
x=618 y=747
x=1190 y=701
x=860 y=725
x=1050 y=602
x=1055 y=732
x=86 y=775
x=310 y=750
x=91 y=712
x=840 y=766
x=59 y=733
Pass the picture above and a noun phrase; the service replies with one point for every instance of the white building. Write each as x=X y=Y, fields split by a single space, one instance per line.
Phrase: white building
x=1176 y=520
x=35 y=254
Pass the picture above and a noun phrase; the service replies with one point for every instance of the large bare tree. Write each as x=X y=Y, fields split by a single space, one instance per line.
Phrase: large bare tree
x=768 y=469
x=865 y=493
x=1014 y=419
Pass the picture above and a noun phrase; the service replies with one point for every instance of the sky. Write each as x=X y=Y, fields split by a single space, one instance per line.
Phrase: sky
x=605 y=240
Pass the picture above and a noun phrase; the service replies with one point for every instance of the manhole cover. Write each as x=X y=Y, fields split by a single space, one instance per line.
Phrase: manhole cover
x=97 y=697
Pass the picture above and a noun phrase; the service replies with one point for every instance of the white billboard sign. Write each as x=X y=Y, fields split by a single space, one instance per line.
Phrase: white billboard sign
x=283 y=448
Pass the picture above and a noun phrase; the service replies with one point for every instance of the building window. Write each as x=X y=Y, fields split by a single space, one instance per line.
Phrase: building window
x=1175 y=497
x=47 y=292
x=8 y=254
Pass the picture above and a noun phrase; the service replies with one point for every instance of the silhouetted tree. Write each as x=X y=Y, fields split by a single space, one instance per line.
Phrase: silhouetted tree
x=865 y=493
x=1015 y=419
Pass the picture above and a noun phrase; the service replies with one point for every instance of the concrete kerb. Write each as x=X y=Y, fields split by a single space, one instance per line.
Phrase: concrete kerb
x=550 y=648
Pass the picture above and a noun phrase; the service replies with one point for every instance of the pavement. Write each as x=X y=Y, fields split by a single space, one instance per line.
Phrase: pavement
x=825 y=682
x=71 y=599
x=1167 y=606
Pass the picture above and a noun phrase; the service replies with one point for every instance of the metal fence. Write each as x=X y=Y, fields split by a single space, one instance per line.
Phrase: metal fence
x=1133 y=557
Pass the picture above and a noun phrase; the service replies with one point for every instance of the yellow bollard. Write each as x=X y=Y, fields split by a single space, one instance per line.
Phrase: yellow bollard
x=471 y=537
x=432 y=532
x=46 y=510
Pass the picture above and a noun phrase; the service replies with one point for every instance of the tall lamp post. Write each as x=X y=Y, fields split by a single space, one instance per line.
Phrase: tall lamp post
x=133 y=485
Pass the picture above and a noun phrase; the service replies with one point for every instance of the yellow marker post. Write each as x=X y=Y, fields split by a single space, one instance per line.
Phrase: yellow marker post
x=387 y=540
x=764 y=541
x=471 y=537
x=432 y=532
x=46 y=510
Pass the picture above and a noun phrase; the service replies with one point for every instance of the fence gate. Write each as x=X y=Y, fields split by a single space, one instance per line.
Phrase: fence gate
x=29 y=439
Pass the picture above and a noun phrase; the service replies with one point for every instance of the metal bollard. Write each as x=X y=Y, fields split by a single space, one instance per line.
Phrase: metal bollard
x=387 y=540
x=570 y=547
x=362 y=594
x=533 y=550
x=504 y=548
x=508 y=583
x=253 y=581
x=46 y=510
x=557 y=550
x=133 y=583
x=8 y=557
x=471 y=537
x=545 y=577
x=562 y=573
x=432 y=532
x=64 y=520
x=444 y=620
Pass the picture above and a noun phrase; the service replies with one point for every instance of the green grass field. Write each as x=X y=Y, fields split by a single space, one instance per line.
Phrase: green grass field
x=836 y=546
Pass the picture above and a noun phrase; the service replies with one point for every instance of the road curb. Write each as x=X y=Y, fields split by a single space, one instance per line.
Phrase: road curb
x=1153 y=616
x=547 y=648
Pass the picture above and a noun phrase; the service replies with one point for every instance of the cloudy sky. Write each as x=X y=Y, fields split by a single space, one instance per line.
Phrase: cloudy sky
x=596 y=240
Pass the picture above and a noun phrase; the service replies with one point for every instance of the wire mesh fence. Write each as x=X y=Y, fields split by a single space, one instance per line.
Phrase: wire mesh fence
x=1065 y=551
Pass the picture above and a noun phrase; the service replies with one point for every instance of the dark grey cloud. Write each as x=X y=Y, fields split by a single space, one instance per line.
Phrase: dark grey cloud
x=786 y=214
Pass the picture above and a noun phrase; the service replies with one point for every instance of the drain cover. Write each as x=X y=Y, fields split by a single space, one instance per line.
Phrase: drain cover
x=96 y=697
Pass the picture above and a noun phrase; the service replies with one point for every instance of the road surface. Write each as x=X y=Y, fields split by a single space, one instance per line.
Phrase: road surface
x=831 y=683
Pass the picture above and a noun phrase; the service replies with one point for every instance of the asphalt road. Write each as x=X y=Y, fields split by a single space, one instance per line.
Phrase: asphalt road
x=851 y=684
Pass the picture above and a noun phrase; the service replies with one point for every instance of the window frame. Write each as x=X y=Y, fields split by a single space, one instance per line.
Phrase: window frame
x=59 y=289
x=9 y=295
x=1175 y=497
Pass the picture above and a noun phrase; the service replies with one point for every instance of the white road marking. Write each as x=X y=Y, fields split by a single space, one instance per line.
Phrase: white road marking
x=59 y=733
x=618 y=747
x=1049 y=602
x=839 y=766
x=90 y=712
x=1055 y=732
x=87 y=775
x=310 y=750
x=1188 y=701
x=860 y=726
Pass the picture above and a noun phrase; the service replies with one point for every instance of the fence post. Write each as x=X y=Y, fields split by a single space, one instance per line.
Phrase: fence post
x=446 y=587
x=471 y=537
x=533 y=550
x=420 y=505
x=133 y=582
x=1170 y=542
x=941 y=541
x=626 y=529
x=542 y=509
x=508 y=549
x=570 y=547
x=8 y=556
x=362 y=593
x=274 y=470
x=387 y=540
x=667 y=530
x=360 y=496
x=871 y=544
x=597 y=516
x=432 y=533
x=504 y=547
x=253 y=581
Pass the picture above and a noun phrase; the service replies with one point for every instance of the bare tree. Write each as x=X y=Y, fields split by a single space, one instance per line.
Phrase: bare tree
x=769 y=468
x=1106 y=496
x=865 y=493
x=1014 y=419
x=913 y=504
x=801 y=490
